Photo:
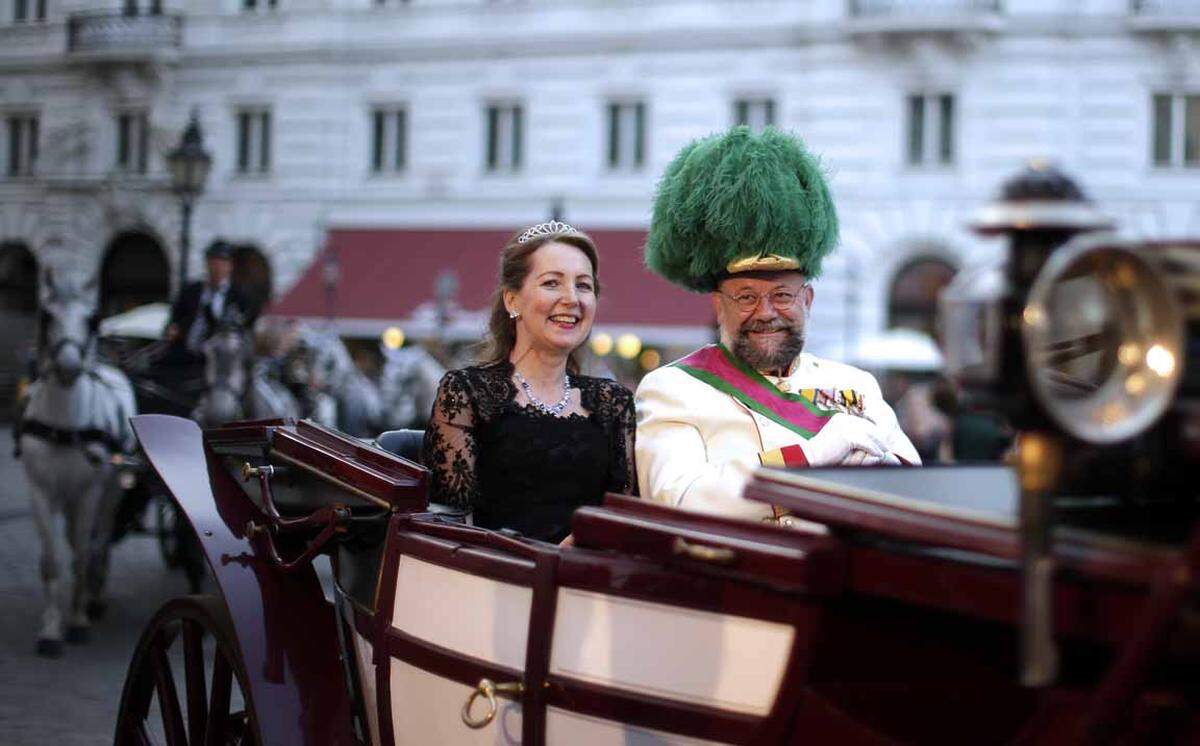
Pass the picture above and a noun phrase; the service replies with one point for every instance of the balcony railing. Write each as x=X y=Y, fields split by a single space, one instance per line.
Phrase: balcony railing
x=874 y=18
x=120 y=35
x=1165 y=7
x=1164 y=16
x=878 y=8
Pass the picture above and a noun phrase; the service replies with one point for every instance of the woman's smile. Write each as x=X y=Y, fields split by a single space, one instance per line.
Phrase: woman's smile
x=565 y=321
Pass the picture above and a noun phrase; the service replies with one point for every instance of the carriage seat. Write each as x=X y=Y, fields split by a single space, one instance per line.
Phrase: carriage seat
x=407 y=445
x=404 y=443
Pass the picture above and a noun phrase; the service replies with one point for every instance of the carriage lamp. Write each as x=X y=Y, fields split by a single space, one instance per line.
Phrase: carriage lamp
x=983 y=314
x=1102 y=330
x=189 y=163
x=986 y=319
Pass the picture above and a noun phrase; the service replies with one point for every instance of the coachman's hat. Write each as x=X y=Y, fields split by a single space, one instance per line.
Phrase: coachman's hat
x=219 y=250
x=740 y=202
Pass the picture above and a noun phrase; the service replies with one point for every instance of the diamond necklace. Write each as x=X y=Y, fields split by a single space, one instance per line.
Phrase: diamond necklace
x=541 y=406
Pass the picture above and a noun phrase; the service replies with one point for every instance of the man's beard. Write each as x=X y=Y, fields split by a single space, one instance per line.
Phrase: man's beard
x=761 y=356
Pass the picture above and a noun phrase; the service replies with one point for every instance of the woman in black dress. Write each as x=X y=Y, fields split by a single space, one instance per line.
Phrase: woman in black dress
x=522 y=439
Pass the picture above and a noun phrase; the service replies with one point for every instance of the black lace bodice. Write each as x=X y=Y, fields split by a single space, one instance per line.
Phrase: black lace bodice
x=515 y=467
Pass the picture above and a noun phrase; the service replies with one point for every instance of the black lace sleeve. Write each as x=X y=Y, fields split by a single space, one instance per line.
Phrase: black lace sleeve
x=450 y=448
x=612 y=403
x=626 y=432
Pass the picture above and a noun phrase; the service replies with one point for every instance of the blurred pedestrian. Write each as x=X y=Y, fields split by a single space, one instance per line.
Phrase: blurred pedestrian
x=975 y=435
x=925 y=425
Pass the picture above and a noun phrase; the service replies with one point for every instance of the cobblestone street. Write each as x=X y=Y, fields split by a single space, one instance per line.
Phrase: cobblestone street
x=73 y=700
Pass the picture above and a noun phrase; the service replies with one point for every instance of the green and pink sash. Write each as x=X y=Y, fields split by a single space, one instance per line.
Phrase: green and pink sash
x=799 y=412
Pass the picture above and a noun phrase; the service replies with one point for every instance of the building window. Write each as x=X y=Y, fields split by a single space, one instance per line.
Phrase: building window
x=913 y=296
x=755 y=113
x=134 y=7
x=389 y=140
x=22 y=144
x=252 y=5
x=29 y=10
x=503 y=137
x=931 y=129
x=253 y=141
x=1176 y=140
x=626 y=135
x=133 y=142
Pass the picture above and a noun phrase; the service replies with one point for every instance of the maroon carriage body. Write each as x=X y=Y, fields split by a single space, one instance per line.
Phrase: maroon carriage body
x=898 y=624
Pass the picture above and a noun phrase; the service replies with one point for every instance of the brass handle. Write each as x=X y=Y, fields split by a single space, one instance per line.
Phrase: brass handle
x=487 y=689
x=701 y=553
x=249 y=471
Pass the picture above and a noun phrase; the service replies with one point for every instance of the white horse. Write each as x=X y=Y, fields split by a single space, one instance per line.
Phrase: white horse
x=75 y=419
x=238 y=384
x=225 y=376
x=335 y=380
x=408 y=384
x=267 y=398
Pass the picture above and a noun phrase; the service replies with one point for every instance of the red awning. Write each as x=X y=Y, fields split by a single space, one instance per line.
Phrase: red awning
x=387 y=277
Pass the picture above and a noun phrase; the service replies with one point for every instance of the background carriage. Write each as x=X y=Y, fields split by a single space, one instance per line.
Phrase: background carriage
x=288 y=372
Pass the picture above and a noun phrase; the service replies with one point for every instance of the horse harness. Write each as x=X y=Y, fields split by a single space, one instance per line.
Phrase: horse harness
x=79 y=437
x=62 y=436
x=58 y=435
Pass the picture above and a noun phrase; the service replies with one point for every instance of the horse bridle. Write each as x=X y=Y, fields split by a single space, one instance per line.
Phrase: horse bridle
x=229 y=388
x=60 y=345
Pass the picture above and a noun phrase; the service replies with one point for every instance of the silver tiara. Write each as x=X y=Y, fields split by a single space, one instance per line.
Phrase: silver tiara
x=545 y=229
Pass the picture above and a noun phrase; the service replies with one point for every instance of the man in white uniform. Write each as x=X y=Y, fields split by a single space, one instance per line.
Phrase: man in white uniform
x=748 y=218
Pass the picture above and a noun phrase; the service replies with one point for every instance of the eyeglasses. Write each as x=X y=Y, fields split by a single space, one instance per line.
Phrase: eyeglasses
x=780 y=299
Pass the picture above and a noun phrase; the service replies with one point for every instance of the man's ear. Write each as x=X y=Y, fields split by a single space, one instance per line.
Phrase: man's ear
x=808 y=296
x=715 y=297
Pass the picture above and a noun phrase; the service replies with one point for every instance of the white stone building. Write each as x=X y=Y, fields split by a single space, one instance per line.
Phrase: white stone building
x=339 y=115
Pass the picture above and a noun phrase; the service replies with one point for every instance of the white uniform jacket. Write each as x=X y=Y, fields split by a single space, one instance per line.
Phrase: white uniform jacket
x=697 y=446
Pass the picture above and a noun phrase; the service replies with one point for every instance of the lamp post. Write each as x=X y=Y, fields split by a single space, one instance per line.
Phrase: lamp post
x=189 y=163
x=331 y=274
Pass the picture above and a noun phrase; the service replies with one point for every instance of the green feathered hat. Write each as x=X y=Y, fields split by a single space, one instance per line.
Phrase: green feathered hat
x=740 y=202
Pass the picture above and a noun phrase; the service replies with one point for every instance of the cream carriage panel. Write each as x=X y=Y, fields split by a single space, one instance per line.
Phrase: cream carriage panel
x=722 y=661
x=366 y=668
x=468 y=614
x=426 y=710
x=563 y=726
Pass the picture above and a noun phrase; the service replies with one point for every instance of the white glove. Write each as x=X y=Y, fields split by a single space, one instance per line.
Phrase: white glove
x=862 y=458
x=841 y=436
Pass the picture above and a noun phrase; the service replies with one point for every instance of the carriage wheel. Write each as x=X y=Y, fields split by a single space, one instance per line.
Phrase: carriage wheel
x=189 y=662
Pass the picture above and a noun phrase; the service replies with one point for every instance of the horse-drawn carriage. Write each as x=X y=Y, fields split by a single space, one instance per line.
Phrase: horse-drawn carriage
x=901 y=624
x=1053 y=600
x=306 y=372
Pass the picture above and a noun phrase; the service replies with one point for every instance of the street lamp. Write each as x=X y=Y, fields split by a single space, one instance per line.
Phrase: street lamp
x=331 y=274
x=189 y=163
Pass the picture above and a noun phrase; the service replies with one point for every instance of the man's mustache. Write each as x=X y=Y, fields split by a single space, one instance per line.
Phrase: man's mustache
x=773 y=325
